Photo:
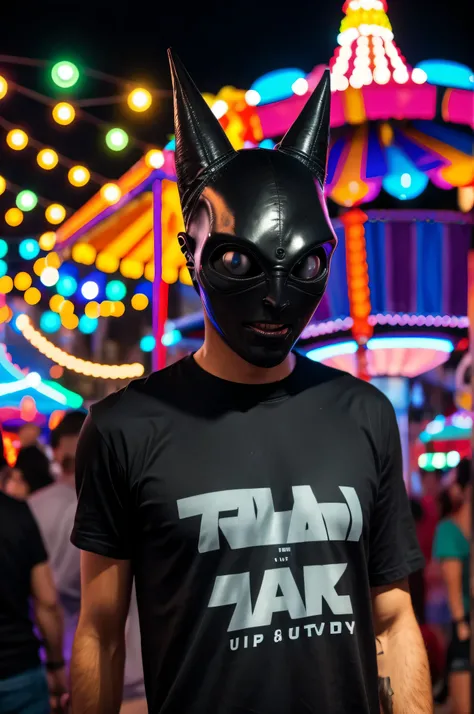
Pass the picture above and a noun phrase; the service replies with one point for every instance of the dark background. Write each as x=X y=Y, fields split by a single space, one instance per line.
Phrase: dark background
x=221 y=44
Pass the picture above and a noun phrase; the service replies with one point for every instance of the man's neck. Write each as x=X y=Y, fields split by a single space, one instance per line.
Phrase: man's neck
x=218 y=359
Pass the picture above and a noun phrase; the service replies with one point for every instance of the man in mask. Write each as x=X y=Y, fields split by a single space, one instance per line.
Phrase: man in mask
x=256 y=497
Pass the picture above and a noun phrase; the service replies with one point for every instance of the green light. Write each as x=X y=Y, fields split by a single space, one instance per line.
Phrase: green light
x=116 y=139
x=65 y=74
x=74 y=400
x=26 y=200
x=115 y=290
x=3 y=248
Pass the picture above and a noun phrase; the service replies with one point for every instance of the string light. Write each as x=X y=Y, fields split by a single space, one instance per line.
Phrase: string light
x=32 y=296
x=65 y=74
x=139 y=301
x=116 y=139
x=139 y=100
x=78 y=176
x=3 y=185
x=63 y=113
x=111 y=193
x=47 y=159
x=55 y=213
x=17 y=139
x=47 y=240
x=26 y=200
x=154 y=159
x=6 y=285
x=49 y=277
x=13 y=217
x=3 y=87
x=80 y=366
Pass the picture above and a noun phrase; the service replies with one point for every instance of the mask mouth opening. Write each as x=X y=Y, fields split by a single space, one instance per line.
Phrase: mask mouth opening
x=269 y=329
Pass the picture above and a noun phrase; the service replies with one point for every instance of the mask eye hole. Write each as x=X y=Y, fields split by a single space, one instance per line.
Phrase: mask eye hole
x=236 y=264
x=311 y=267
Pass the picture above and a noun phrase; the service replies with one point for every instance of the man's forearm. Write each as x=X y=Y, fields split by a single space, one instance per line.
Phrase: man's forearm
x=96 y=674
x=49 y=619
x=404 y=677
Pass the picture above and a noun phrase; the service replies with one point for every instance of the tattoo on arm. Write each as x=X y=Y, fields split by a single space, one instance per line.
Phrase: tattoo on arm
x=385 y=687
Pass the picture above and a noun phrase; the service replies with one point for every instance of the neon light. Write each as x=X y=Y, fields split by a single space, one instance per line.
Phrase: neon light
x=319 y=354
x=171 y=338
x=277 y=85
x=445 y=73
x=422 y=343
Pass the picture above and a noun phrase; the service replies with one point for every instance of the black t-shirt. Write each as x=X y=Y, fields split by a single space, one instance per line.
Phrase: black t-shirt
x=257 y=518
x=21 y=549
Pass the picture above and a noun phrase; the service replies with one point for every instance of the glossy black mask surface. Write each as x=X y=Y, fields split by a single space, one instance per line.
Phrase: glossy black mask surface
x=266 y=206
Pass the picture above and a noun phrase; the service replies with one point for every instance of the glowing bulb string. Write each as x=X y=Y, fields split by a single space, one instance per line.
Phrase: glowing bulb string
x=44 y=202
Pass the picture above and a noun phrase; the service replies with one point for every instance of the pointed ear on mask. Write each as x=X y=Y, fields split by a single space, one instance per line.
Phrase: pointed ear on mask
x=308 y=138
x=201 y=143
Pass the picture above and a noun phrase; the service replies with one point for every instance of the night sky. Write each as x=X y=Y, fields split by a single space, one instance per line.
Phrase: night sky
x=220 y=43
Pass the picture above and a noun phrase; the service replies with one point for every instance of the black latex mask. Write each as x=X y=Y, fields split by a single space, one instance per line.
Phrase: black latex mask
x=258 y=239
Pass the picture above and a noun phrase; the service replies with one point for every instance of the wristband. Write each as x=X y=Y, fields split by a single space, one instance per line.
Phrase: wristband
x=54 y=666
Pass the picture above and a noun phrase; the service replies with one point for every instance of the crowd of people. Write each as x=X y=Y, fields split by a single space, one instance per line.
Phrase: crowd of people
x=40 y=586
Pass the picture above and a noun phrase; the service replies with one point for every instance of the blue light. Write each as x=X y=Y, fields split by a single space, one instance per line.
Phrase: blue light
x=339 y=348
x=403 y=180
x=267 y=144
x=171 y=145
x=417 y=395
x=66 y=285
x=422 y=343
x=29 y=249
x=88 y=325
x=3 y=248
x=171 y=338
x=145 y=288
x=50 y=321
x=277 y=85
x=115 y=290
x=445 y=73
x=147 y=343
x=3 y=268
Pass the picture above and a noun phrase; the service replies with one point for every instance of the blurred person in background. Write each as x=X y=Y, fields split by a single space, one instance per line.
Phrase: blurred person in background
x=54 y=508
x=25 y=575
x=5 y=469
x=30 y=473
x=28 y=435
x=451 y=548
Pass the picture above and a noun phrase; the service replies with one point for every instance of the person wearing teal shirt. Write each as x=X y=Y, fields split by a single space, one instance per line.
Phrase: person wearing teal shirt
x=451 y=548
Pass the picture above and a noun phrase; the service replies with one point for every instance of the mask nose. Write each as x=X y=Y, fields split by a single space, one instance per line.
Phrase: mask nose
x=276 y=293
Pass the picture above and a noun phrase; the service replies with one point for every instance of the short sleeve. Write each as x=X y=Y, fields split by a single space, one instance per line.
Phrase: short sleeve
x=101 y=522
x=446 y=542
x=394 y=552
x=34 y=545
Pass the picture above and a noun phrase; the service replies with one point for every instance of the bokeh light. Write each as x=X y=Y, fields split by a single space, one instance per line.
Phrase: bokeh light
x=139 y=301
x=66 y=285
x=56 y=303
x=47 y=159
x=79 y=176
x=55 y=213
x=47 y=240
x=22 y=281
x=115 y=290
x=3 y=185
x=92 y=309
x=111 y=193
x=28 y=249
x=3 y=87
x=63 y=113
x=90 y=290
x=88 y=325
x=50 y=321
x=3 y=267
x=6 y=285
x=26 y=200
x=13 y=217
x=65 y=74
x=147 y=343
x=69 y=320
x=32 y=296
x=116 y=139
x=49 y=277
x=154 y=159
x=139 y=99
x=3 y=247
x=39 y=265
x=17 y=139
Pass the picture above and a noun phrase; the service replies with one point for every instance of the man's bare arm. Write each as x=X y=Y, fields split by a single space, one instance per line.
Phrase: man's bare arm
x=98 y=657
x=48 y=613
x=404 y=677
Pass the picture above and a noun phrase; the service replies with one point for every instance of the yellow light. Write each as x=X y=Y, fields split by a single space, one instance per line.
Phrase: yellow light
x=22 y=281
x=5 y=314
x=6 y=284
x=63 y=113
x=78 y=176
x=105 y=308
x=107 y=262
x=55 y=213
x=17 y=139
x=3 y=185
x=92 y=309
x=47 y=241
x=47 y=159
x=154 y=159
x=67 y=308
x=32 y=296
x=3 y=87
x=132 y=269
x=118 y=309
x=56 y=303
x=139 y=99
x=139 y=301
x=111 y=193
x=14 y=217
x=84 y=253
x=150 y=272
x=70 y=322
x=52 y=260
x=39 y=265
